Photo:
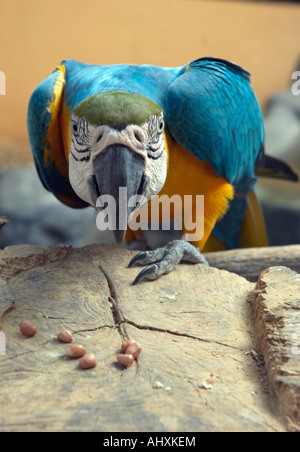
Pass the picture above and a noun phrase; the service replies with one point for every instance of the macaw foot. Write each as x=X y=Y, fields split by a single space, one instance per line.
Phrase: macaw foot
x=163 y=260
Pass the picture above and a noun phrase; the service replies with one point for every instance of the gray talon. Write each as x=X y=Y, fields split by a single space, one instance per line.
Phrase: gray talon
x=145 y=274
x=137 y=258
x=165 y=259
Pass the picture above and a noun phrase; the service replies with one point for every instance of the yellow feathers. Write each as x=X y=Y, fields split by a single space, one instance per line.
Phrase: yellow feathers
x=189 y=176
x=54 y=146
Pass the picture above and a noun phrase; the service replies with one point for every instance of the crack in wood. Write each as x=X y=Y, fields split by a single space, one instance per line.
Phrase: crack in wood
x=119 y=319
x=117 y=313
x=94 y=329
x=176 y=333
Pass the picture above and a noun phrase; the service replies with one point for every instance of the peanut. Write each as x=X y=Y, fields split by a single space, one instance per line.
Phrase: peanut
x=126 y=344
x=125 y=360
x=65 y=336
x=76 y=351
x=133 y=349
x=88 y=361
x=28 y=328
x=213 y=378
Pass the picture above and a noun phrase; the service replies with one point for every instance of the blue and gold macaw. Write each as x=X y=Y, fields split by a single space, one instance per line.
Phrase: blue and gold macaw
x=196 y=129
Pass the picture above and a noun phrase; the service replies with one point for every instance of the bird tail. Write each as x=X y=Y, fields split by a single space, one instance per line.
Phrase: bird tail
x=253 y=231
x=276 y=169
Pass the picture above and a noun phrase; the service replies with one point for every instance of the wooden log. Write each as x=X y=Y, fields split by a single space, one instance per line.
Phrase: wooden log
x=250 y=262
x=194 y=322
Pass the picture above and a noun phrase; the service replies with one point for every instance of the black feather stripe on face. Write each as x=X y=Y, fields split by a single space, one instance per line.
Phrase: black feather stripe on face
x=80 y=140
x=83 y=159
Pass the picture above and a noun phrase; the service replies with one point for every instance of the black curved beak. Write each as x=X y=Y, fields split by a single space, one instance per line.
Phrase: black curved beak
x=118 y=167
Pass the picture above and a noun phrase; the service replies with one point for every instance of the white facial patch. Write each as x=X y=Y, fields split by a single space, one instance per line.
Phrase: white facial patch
x=89 y=141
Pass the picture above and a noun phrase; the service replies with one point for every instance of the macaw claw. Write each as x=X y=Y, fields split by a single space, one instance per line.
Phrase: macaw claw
x=164 y=260
x=145 y=274
x=137 y=258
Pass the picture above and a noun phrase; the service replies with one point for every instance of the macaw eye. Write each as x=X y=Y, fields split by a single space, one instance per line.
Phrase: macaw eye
x=75 y=128
x=161 y=125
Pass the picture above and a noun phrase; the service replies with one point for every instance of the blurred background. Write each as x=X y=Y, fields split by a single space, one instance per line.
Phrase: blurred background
x=35 y=36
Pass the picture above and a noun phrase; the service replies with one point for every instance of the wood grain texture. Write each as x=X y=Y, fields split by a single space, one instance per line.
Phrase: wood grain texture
x=192 y=323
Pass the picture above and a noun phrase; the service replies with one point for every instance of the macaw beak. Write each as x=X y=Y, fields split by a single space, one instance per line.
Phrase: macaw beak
x=118 y=167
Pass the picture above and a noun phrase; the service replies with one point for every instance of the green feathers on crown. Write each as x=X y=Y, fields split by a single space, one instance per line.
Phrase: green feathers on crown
x=117 y=109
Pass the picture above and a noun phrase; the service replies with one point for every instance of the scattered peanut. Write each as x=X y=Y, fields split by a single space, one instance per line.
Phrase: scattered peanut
x=28 y=328
x=126 y=344
x=76 y=351
x=209 y=382
x=65 y=336
x=125 y=360
x=133 y=349
x=88 y=361
x=213 y=378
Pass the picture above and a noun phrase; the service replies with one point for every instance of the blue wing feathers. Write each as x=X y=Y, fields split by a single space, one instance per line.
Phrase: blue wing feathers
x=213 y=112
x=221 y=65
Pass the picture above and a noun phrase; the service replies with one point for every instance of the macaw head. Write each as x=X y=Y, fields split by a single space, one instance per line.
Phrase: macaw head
x=117 y=141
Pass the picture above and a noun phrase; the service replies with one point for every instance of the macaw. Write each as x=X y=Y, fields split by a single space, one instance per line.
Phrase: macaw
x=195 y=129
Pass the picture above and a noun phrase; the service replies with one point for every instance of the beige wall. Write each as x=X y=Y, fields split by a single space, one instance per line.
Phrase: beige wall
x=35 y=35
